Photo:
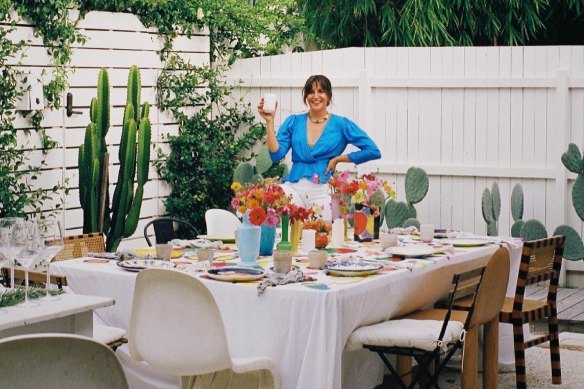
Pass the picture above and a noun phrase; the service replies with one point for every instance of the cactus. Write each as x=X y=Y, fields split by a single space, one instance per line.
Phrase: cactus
x=573 y=161
x=491 y=207
x=416 y=187
x=533 y=229
x=517 y=210
x=248 y=173
x=134 y=157
x=91 y=158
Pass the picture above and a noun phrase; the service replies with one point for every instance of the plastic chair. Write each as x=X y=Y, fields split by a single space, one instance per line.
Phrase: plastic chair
x=164 y=229
x=430 y=334
x=181 y=332
x=56 y=361
x=221 y=222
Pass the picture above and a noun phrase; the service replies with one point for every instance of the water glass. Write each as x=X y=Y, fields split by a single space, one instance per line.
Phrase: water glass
x=427 y=232
x=51 y=236
x=12 y=241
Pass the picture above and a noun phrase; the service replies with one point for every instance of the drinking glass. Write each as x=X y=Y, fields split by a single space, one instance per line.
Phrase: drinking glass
x=12 y=241
x=29 y=256
x=51 y=236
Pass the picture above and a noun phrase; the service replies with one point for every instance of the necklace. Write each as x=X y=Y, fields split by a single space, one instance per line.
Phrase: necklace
x=318 y=121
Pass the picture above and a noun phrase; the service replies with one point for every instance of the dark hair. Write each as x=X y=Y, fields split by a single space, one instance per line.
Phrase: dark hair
x=320 y=80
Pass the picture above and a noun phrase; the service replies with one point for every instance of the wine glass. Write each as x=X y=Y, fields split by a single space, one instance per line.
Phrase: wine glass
x=29 y=256
x=51 y=236
x=12 y=241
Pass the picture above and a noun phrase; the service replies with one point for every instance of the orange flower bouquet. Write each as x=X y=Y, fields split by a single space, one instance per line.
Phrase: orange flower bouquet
x=263 y=202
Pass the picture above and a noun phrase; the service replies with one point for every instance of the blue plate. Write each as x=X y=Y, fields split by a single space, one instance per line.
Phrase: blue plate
x=236 y=274
x=353 y=269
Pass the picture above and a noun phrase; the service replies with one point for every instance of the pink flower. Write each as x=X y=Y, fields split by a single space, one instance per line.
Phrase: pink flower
x=315 y=178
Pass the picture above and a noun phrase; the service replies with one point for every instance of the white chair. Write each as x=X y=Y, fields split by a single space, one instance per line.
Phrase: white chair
x=176 y=326
x=221 y=222
x=56 y=361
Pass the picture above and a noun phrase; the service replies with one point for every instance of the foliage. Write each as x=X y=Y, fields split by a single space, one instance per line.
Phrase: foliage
x=369 y=23
x=17 y=176
x=12 y=297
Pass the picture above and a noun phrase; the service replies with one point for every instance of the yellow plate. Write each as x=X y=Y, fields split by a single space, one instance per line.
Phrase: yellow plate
x=177 y=252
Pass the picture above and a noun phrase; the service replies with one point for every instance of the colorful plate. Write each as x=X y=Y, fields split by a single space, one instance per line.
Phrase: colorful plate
x=353 y=269
x=467 y=242
x=235 y=274
x=411 y=250
x=141 y=264
x=224 y=238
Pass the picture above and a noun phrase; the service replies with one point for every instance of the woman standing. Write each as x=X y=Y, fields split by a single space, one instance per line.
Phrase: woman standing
x=317 y=139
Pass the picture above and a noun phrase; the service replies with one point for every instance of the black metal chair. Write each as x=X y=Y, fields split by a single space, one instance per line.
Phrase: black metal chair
x=164 y=230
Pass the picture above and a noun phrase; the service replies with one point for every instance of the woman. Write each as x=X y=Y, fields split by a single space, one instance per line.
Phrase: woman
x=317 y=139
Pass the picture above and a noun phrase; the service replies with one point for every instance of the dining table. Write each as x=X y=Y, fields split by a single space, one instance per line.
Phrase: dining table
x=303 y=326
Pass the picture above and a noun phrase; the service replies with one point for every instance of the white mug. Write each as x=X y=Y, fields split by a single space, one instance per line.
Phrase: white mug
x=427 y=232
x=270 y=101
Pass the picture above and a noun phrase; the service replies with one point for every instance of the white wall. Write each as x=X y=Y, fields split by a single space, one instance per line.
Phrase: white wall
x=468 y=116
x=115 y=41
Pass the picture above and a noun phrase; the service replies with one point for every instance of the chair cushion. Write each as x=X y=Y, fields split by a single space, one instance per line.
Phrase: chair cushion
x=407 y=333
x=107 y=334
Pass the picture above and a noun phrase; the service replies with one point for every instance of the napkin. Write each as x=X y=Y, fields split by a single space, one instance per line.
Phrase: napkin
x=198 y=243
x=273 y=279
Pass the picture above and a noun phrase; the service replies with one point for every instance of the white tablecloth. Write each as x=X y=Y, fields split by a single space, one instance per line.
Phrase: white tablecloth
x=303 y=329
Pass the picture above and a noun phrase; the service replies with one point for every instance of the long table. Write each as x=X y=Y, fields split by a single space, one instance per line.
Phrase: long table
x=302 y=327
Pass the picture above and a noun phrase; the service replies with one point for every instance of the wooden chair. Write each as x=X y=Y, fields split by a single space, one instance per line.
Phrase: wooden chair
x=77 y=246
x=427 y=336
x=164 y=229
x=541 y=260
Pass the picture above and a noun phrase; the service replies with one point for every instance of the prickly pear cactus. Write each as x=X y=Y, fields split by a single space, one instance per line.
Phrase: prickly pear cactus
x=573 y=161
x=416 y=187
x=517 y=210
x=533 y=229
x=491 y=207
x=248 y=173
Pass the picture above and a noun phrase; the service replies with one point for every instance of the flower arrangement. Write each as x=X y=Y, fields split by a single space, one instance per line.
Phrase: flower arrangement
x=296 y=212
x=264 y=201
x=367 y=190
x=319 y=225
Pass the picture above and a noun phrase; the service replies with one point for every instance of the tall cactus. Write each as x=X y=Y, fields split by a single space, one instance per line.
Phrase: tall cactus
x=491 y=207
x=402 y=214
x=134 y=157
x=91 y=158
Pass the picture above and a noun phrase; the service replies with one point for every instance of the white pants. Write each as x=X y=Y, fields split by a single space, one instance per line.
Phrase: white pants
x=306 y=193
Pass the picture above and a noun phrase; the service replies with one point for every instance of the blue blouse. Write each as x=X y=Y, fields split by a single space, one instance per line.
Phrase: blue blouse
x=336 y=135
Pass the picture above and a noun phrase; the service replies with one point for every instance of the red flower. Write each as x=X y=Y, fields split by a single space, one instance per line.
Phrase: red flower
x=257 y=216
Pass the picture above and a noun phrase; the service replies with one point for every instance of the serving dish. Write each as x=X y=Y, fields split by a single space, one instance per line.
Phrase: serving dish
x=236 y=274
x=141 y=264
x=222 y=238
x=467 y=242
x=411 y=250
x=353 y=269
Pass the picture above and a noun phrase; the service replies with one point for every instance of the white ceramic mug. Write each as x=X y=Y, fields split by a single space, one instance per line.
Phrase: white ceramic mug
x=164 y=251
x=270 y=101
x=317 y=259
x=427 y=232
x=282 y=261
x=387 y=239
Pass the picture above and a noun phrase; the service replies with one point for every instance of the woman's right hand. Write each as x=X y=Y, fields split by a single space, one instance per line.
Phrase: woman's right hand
x=267 y=116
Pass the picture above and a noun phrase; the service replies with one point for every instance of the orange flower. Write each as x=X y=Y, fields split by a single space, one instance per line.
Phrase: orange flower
x=257 y=216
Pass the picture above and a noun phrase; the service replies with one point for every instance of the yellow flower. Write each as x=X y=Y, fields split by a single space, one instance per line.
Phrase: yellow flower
x=236 y=186
x=358 y=198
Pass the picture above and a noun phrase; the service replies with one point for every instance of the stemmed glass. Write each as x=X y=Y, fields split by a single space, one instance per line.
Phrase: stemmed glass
x=28 y=257
x=52 y=242
x=12 y=241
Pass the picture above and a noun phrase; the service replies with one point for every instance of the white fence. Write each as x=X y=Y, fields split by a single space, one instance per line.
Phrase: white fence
x=115 y=41
x=468 y=116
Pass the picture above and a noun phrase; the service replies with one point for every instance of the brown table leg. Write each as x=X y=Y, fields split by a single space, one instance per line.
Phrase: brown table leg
x=491 y=354
x=470 y=358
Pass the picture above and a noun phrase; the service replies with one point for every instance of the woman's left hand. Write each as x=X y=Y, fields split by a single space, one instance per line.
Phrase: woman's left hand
x=332 y=165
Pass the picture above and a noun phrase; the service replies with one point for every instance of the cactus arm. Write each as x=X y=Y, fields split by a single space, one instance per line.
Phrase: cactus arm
x=134 y=88
x=102 y=119
x=243 y=173
x=532 y=230
x=263 y=161
x=578 y=196
x=487 y=206
x=573 y=248
x=496 y=197
x=572 y=159
x=416 y=185
x=517 y=202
